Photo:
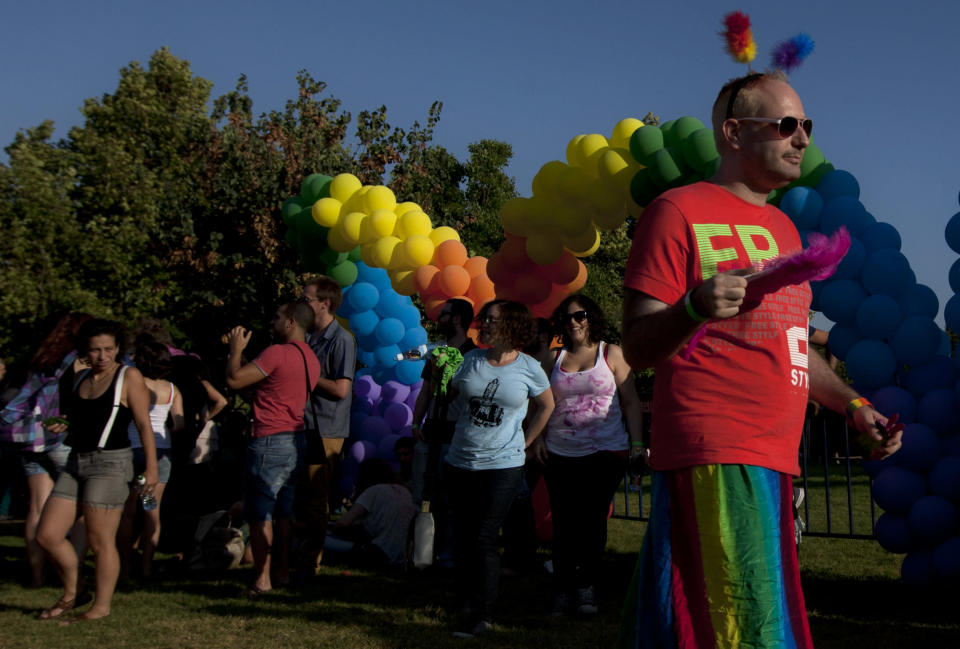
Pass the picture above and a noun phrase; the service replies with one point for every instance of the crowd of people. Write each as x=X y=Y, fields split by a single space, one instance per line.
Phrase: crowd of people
x=492 y=416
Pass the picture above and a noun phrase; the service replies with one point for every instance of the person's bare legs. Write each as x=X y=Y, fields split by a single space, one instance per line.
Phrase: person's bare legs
x=280 y=559
x=40 y=486
x=102 y=527
x=261 y=540
x=150 y=535
x=56 y=520
x=125 y=533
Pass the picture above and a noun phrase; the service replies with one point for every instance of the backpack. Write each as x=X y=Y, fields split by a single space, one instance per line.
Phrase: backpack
x=21 y=420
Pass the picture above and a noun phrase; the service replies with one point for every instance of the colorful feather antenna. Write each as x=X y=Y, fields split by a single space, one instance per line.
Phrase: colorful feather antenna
x=739 y=37
x=789 y=54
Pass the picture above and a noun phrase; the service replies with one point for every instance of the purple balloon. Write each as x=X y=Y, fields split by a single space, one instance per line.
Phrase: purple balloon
x=385 y=447
x=374 y=428
x=395 y=392
x=365 y=386
x=398 y=415
x=362 y=450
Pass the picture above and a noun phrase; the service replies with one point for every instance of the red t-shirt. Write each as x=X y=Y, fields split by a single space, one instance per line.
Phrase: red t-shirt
x=281 y=397
x=741 y=396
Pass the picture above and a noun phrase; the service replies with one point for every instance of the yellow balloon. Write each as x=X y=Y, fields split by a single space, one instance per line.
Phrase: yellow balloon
x=366 y=254
x=571 y=220
x=382 y=222
x=443 y=233
x=403 y=208
x=351 y=225
x=574 y=184
x=326 y=212
x=623 y=130
x=513 y=217
x=573 y=151
x=403 y=281
x=338 y=241
x=543 y=249
x=343 y=186
x=588 y=148
x=382 y=253
x=547 y=180
x=539 y=215
x=610 y=220
x=613 y=165
x=605 y=199
x=418 y=250
x=413 y=222
x=379 y=197
x=585 y=244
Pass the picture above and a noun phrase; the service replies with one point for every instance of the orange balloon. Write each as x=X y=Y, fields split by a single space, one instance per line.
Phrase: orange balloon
x=433 y=306
x=481 y=290
x=425 y=278
x=581 y=279
x=450 y=253
x=454 y=281
x=562 y=271
x=476 y=266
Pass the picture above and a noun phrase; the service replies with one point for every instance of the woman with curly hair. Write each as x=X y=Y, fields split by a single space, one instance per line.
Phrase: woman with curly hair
x=487 y=453
x=585 y=447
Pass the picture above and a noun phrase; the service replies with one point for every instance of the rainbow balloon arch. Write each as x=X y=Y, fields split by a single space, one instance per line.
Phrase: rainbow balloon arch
x=381 y=252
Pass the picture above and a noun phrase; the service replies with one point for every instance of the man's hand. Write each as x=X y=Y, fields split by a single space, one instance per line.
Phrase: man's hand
x=869 y=422
x=722 y=295
x=238 y=338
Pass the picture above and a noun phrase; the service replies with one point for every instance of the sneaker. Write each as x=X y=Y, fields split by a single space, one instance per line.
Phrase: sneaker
x=586 y=602
x=799 y=527
x=561 y=605
x=481 y=627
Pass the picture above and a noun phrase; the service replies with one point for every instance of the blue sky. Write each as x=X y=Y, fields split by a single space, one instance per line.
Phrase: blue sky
x=880 y=86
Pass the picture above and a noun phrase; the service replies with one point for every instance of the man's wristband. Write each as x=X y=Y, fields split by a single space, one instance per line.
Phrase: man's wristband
x=855 y=405
x=691 y=311
x=637 y=444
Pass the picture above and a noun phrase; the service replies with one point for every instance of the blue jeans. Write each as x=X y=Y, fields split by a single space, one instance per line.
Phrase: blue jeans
x=273 y=466
x=480 y=501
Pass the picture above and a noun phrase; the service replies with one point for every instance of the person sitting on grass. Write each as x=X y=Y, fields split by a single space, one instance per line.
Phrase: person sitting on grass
x=373 y=534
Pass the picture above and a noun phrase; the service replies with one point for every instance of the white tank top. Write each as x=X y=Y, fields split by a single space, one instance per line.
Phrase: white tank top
x=587 y=416
x=158 y=420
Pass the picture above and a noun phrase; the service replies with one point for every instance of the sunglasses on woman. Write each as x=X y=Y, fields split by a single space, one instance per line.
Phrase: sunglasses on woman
x=786 y=126
x=579 y=316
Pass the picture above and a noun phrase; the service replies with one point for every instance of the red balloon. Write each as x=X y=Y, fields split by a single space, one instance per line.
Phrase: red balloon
x=562 y=271
x=531 y=289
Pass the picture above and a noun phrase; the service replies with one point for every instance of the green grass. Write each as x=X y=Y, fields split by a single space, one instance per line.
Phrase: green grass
x=853 y=596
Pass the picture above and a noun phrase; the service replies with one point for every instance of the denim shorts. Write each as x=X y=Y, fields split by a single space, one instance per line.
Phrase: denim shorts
x=163 y=463
x=273 y=466
x=50 y=462
x=102 y=477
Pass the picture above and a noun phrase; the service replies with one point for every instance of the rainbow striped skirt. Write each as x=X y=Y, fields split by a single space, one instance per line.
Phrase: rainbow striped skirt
x=718 y=566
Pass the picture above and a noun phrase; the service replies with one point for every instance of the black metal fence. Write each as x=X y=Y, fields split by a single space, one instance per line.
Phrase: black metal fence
x=835 y=501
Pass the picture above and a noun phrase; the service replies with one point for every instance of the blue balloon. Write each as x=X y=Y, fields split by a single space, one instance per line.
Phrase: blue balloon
x=364 y=323
x=408 y=372
x=842 y=338
x=363 y=296
x=368 y=342
x=880 y=236
x=946 y=346
x=815 y=289
x=951 y=313
x=932 y=519
x=876 y=467
x=938 y=374
x=852 y=264
x=921 y=449
x=838 y=183
x=886 y=272
x=383 y=374
x=895 y=489
x=951 y=446
x=840 y=298
x=954 y=276
x=891 y=400
x=387 y=355
x=365 y=357
x=376 y=276
x=803 y=206
x=938 y=410
x=952 y=232
x=944 y=478
x=878 y=316
x=946 y=560
x=917 y=568
x=389 y=331
x=871 y=363
x=409 y=315
x=893 y=533
x=916 y=340
x=919 y=299
x=413 y=338
x=846 y=211
x=390 y=304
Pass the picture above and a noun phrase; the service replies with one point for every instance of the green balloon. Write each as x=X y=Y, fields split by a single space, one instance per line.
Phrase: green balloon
x=690 y=178
x=292 y=236
x=642 y=189
x=291 y=207
x=312 y=263
x=699 y=149
x=312 y=234
x=685 y=127
x=354 y=255
x=344 y=273
x=813 y=178
x=774 y=197
x=669 y=137
x=711 y=168
x=812 y=158
x=331 y=257
x=664 y=170
x=644 y=143
x=314 y=187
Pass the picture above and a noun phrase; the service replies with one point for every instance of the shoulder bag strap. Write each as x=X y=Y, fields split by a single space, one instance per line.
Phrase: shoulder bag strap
x=306 y=371
x=113 y=411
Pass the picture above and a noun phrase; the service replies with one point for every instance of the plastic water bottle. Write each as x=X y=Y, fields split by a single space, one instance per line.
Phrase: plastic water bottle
x=417 y=353
x=146 y=499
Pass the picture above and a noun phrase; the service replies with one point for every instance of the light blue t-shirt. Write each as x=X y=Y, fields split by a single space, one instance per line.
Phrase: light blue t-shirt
x=493 y=403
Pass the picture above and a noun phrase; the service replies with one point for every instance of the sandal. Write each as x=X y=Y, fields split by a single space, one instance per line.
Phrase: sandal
x=253 y=592
x=64 y=606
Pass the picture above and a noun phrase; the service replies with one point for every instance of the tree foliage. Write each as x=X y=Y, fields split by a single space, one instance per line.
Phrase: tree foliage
x=166 y=203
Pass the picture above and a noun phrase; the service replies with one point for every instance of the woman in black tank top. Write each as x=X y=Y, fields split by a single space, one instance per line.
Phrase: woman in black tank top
x=98 y=469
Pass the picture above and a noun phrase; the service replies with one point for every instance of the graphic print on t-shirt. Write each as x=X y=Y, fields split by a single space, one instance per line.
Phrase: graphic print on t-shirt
x=797 y=346
x=483 y=410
